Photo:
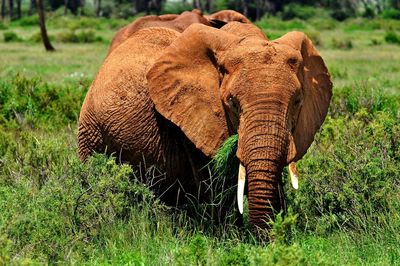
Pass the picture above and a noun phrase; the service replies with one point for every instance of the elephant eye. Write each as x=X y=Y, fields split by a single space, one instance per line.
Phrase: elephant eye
x=233 y=104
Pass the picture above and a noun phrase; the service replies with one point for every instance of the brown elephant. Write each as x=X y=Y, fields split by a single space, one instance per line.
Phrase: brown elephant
x=177 y=99
x=172 y=21
x=228 y=16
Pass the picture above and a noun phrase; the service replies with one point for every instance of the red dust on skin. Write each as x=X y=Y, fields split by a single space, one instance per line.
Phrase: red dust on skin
x=174 y=101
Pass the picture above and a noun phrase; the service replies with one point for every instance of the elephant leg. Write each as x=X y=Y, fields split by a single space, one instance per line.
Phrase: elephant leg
x=90 y=139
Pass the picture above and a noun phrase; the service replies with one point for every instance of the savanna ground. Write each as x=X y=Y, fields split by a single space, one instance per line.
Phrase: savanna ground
x=53 y=209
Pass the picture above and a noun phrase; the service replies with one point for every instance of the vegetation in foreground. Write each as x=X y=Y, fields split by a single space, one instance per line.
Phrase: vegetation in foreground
x=56 y=210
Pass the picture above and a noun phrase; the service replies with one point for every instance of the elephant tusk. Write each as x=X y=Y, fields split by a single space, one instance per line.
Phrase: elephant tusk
x=294 y=175
x=240 y=188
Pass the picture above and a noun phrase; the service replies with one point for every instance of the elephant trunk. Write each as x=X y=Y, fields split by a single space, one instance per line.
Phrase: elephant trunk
x=263 y=150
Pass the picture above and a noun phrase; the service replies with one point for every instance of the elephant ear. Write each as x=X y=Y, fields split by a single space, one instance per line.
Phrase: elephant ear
x=316 y=90
x=184 y=85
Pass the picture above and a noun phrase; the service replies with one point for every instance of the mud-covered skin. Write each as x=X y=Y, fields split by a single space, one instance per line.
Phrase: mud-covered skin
x=228 y=16
x=171 y=21
x=176 y=100
x=118 y=116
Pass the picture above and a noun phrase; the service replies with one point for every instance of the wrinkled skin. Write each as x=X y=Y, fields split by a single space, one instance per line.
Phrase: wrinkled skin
x=171 y=21
x=159 y=105
x=228 y=16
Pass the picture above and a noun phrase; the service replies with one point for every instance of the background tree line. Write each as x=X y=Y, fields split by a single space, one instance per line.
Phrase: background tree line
x=254 y=9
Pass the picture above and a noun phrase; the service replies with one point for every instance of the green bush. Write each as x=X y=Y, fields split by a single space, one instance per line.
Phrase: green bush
x=391 y=13
x=84 y=36
x=28 y=21
x=349 y=174
x=32 y=102
x=272 y=23
x=324 y=23
x=10 y=36
x=342 y=44
x=375 y=42
x=293 y=10
x=315 y=37
x=392 y=37
x=3 y=26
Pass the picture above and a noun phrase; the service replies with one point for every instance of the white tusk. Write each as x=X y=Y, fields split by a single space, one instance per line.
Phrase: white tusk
x=240 y=188
x=294 y=175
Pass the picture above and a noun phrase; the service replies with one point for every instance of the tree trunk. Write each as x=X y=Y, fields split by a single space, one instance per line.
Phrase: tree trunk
x=3 y=9
x=42 y=24
x=19 y=9
x=98 y=11
x=65 y=7
x=11 y=9
x=245 y=8
x=82 y=4
x=31 y=6
x=197 y=4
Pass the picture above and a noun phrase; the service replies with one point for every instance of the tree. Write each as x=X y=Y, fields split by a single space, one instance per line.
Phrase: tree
x=19 y=9
x=3 y=9
x=42 y=24
x=11 y=8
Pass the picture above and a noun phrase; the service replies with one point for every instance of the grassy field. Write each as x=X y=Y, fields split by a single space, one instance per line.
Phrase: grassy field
x=54 y=210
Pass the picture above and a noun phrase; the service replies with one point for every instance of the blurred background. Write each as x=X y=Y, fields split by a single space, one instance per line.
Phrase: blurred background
x=254 y=9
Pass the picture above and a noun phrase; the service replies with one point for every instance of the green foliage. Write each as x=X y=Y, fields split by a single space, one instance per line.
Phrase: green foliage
x=176 y=7
x=33 y=103
x=273 y=23
x=358 y=24
x=342 y=44
x=3 y=26
x=225 y=159
x=84 y=36
x=27 y=21
x=10 y=36
x=352 y=168
x=294 y=10
x=315 y=37
x=391 y=13
x=392 y=37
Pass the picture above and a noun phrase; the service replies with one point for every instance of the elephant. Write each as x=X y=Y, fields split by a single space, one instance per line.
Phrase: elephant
x=172 y=21
x=177 y=22
x=173 y=98
x=228 y=16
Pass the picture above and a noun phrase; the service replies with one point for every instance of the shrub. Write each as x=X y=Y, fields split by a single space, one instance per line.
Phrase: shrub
x=324 y=23
x=391 y=13
x=3 y=26
x=315 y=38
x=32 y=102
x=37 y=37
x=84 y=36
x=28 y=21
x=392 y=37
x=10 y=36
x=277 y=24
x=349 y=173
x=294 y=10
x=176 y=7
x=342 y=44
x=375 y=42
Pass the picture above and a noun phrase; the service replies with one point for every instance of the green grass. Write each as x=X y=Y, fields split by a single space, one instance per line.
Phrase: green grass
x=56 y=210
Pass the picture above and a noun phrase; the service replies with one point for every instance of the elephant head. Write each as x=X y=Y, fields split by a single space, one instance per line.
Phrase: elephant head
x=172 y=21
x=275 y=94
x=228 y=16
